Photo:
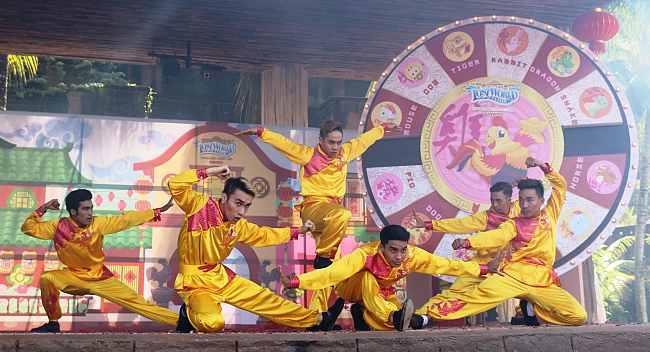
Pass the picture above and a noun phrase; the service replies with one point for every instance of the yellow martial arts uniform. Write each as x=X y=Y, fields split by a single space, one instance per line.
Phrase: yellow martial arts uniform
x=80 y=249
x=483 y=221
x=205 y=240
x=365 y=277
x=323 y=182
x=529 y=275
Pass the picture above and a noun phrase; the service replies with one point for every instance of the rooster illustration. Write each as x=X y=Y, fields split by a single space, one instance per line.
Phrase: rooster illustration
x=267 y=277
x=507 y=158
x=161 y=276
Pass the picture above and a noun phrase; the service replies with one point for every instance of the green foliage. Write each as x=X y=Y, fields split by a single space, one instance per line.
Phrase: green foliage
x=99 y=72
x=628 y=57
x=57 y=77
x=616 y=279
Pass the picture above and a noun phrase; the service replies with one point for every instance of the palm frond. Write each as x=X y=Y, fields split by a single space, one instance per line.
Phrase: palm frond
x=619 y=247
x=248 y=95
x=22 y=67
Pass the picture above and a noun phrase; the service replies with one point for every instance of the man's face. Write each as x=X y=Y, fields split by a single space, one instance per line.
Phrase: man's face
x=394 y=251
x=500 y=203
x=235 y=206
x=530 y=202
x=331 y=145
x=83 y=215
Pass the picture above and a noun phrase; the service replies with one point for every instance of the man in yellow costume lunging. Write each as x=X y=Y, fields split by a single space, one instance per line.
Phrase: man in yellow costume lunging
x=502 y=209
x=529 y=275
x=323 y=172
x=208 y=235
x=368 y=275
x=79 y=240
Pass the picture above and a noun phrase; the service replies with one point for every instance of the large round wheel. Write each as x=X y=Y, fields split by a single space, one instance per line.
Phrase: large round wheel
x=474 y=99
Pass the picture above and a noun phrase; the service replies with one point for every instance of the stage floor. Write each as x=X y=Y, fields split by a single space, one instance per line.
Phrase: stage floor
x=590 y=338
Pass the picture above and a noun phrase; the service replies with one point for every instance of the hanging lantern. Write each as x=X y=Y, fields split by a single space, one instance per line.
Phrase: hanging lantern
x=111 y=196
x=121 y=205
x=595 y=27
x=143 y=186
x=284 y=193
x=99 y=200
x=129 y=193
x=284 y=211
x=142 y=205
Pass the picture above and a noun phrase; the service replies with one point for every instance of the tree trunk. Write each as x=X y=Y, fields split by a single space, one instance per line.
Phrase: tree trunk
x=639 y=243
x=4 y=79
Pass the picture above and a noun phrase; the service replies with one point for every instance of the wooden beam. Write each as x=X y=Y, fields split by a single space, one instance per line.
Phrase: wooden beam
x=284 y=96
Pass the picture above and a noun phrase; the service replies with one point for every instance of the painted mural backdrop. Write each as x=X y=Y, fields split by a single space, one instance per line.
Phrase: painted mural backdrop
x=474 y=99
x=126 y=163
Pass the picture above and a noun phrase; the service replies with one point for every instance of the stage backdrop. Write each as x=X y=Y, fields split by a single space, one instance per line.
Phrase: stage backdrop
x=126 y=164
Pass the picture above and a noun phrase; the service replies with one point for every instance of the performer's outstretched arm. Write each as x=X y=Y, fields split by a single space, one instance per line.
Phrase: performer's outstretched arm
x=296 y=153
x=256 y=236
x=496 y=238
x=357 y=146
x=332 y=275
x=426 y=263
x=113 y=224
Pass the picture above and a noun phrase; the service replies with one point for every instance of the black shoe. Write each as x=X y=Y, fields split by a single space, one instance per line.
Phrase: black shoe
x=357 y=316
x=183 y=325
x=417 y=322
x=313 y=328
x=530 y=321
x=402 y=317
x=329 y=317
x=320 y=262
x=52 y=326
x=517 y=321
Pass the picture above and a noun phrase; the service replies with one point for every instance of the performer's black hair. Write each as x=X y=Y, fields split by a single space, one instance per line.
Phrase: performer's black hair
x=504 y=187
x=393 y=232
x=74 y=198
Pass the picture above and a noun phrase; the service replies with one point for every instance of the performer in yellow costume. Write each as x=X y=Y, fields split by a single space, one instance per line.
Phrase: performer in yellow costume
x=529 y=275
x=208 y=235
x=323 y=173
x=501 y=210
x=368 y=275
x=79 y=240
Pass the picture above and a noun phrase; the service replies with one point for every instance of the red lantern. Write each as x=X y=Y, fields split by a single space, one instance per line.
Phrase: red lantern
x=284 y=193
x=121 y=205
x=284 y=211
x=595 y=27
x=142 y=205
x=143 y=186
x=129 y=193
x=99 y=200
x=111 y=196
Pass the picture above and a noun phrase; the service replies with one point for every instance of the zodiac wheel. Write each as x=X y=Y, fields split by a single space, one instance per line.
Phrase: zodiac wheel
x=474 y=99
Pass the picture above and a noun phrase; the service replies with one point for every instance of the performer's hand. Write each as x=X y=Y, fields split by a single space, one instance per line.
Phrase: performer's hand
x=249 y=132
x=419 y=223
x=222 y=172
x=516 y=181
x=532 y=162
x=285 y=280
x=392 y=127
x=52 y=205
x=307 y=226
x=169 y=204
x=494 y=264
x=458 y=243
